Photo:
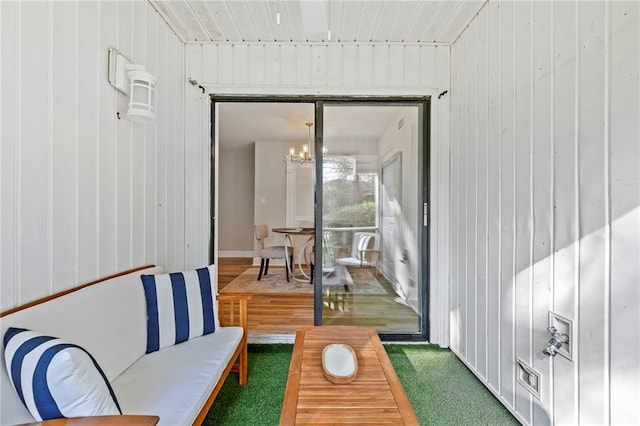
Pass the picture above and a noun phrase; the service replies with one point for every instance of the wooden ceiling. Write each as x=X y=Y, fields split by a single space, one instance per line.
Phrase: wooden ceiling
x=386 y=21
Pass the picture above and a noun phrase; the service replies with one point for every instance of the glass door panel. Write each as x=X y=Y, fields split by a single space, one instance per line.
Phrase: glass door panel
x=371 y=232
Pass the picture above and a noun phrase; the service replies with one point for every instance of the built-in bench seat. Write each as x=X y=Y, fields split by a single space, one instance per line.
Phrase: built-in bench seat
x=108 y=318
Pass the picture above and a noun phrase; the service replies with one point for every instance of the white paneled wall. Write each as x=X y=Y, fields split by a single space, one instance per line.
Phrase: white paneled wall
x=545 y=204
x=319 y=68
x=367 y=69
x=85 y=194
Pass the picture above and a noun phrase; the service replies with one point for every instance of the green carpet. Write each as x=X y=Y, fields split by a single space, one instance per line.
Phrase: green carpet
x=441 y=389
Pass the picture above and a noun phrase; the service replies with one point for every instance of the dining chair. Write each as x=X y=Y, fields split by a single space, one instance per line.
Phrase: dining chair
x=271 y=252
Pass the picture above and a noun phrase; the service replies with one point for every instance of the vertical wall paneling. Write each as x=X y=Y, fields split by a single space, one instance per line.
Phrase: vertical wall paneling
x=494 y=134
x=158 y=172
x=225 y=57
x=141 y=201
x=8 y=129
x=34 y=150
x=411 y=63
x=624 y=151
x=561 y=96
x=364 y=69
x=303 y=66
x=87 y=122
x=591 y=190
x=523 y=194
x=195 y=138
x=481 y=119
x=258 y=64
x=471 y=205
x=396 y=65
x=454 y=342
x=454 y=185
x=565 y=98
x=380 y=65
x=272 y=61
x=268 y=67
x=350 y=67
x=64 y=146
x=204 y=217
x=541 y=198
x=124 y=36
x=507 y=196
x=427 y=63
x=463 y=152
x=319 y=65
x=79 y=185
x=439 y=200
x=107 y=151
x=334 y=71
x=164 y=176
x=240 y=63
x=289 y=64
x=198 y=158
x=175 y=153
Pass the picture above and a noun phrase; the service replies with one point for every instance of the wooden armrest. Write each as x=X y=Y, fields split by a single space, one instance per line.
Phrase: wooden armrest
x=138 y=420
x=232 y=309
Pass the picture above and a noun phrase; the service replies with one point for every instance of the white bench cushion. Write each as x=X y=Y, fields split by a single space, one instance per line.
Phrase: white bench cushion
x=175 y=382
x=107 y=319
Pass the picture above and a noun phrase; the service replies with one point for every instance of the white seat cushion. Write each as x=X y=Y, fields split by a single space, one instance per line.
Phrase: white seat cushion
x=273 y=252
x=175 y=382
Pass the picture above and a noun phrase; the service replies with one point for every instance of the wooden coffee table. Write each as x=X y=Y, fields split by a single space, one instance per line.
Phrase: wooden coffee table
x=375 y=396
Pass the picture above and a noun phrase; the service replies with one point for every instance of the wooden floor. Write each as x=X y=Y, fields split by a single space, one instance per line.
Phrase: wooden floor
x=282 y=314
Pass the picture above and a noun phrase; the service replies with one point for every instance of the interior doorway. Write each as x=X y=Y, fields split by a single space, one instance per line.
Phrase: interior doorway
x=261 y=178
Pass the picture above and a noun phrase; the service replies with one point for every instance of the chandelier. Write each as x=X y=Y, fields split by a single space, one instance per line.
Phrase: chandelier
x=304 y=155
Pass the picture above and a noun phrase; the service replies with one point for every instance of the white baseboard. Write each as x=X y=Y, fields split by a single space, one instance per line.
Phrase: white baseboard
x=271 y=338
x=236 y=253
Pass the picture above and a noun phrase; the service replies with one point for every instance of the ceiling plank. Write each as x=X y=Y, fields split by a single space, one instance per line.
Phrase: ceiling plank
x=392 y=21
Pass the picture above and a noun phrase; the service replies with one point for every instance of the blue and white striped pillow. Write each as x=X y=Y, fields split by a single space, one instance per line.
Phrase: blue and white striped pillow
x=179 y=307
x=56 y=379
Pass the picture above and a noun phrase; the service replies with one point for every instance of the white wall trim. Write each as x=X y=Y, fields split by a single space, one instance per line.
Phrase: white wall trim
x=235 y=253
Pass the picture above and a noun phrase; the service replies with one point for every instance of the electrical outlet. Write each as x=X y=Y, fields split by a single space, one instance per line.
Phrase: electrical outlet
x=528 y=378
x=564 y=326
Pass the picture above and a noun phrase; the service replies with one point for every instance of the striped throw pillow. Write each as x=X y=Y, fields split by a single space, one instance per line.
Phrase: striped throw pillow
x=179 y=307
x=55 y=378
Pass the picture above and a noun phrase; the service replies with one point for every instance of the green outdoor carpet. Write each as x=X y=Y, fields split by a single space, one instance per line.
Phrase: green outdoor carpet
x=441 y=389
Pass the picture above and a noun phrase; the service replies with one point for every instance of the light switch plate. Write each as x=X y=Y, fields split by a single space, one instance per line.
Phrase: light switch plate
x=564 y=326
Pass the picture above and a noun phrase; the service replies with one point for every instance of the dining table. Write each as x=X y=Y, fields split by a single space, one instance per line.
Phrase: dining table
x=302 y=258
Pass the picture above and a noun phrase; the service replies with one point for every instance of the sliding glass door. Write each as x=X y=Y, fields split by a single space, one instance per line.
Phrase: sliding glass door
x=372 y=178
x=344 y=183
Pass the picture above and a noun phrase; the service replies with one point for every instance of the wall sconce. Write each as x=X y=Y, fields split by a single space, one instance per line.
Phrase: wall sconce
x=137 y=83
x=142 y=95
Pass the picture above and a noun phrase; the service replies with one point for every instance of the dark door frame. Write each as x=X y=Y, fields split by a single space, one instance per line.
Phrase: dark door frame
x=423 y=152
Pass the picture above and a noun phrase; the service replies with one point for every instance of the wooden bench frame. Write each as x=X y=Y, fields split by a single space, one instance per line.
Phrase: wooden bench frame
x=232 y=311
